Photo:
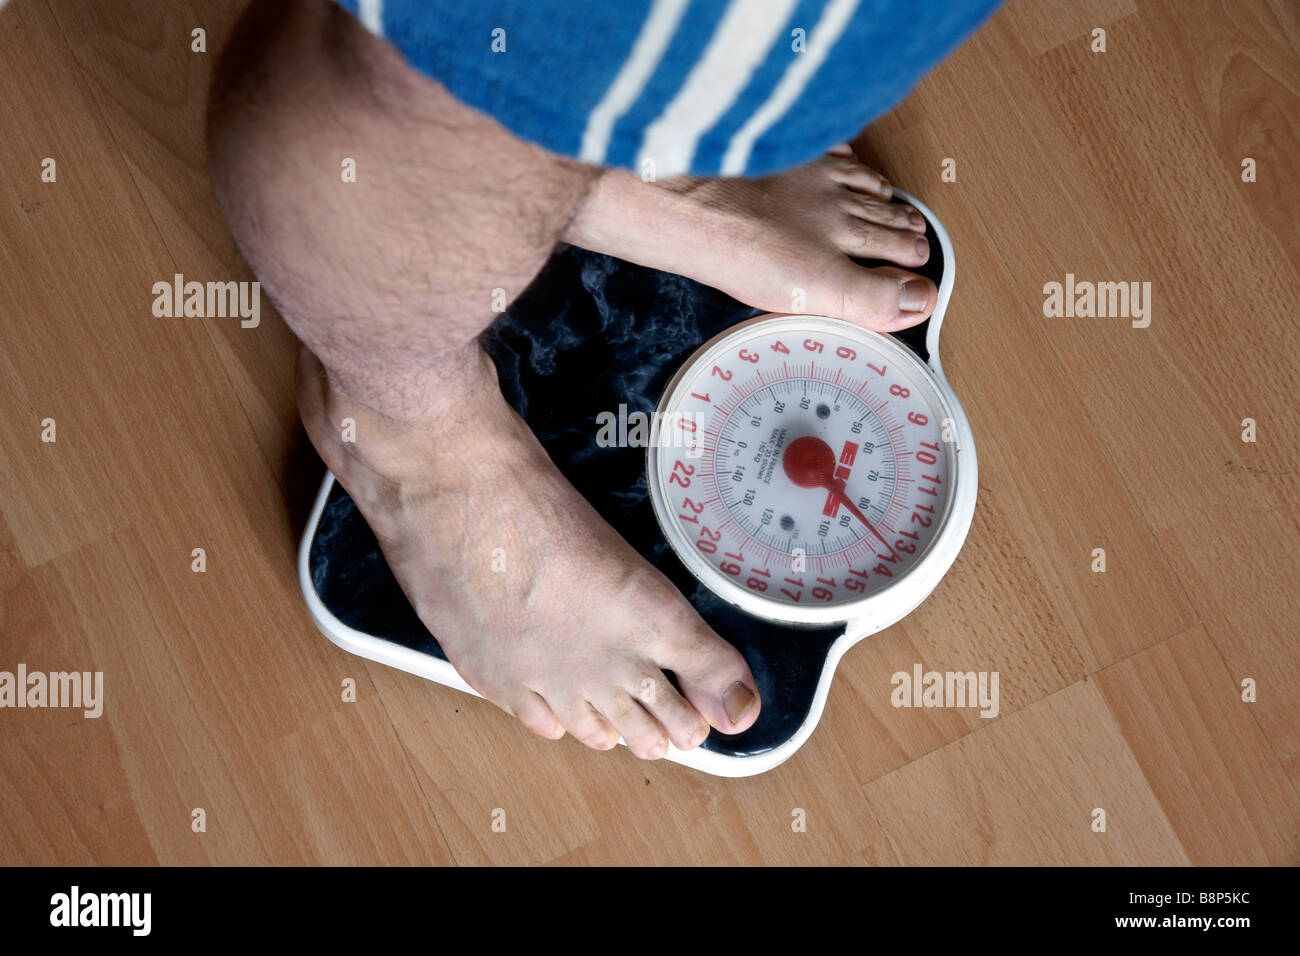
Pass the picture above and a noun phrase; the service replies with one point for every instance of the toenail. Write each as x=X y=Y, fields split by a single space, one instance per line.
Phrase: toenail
x=697 y=738
x=922 y=247
x=737 y=700
x=915 y=219
x=913 y=296
x=885 y=188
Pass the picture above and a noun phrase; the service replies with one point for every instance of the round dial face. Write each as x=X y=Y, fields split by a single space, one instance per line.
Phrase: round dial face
x=800 y=466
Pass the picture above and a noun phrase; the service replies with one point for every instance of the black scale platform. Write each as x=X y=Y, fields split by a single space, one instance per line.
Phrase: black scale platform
x=591 y=333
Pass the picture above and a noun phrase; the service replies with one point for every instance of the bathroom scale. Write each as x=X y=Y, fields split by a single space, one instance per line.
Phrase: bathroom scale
x=805 y=483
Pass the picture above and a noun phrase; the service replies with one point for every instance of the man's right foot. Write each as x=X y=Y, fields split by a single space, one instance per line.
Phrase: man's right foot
x=540 y=605
x=781 y=243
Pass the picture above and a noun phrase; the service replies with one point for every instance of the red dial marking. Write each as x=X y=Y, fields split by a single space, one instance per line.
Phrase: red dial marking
x=810 y=463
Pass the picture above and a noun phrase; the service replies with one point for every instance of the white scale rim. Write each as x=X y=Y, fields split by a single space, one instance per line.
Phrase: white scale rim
x=903 y=596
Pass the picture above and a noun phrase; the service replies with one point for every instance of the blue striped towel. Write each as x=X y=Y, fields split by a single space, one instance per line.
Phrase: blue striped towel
x=746 y=87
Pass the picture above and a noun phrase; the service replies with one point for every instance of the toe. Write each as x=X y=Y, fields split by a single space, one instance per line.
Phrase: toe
x=585 y=724
x=863 y=179
x=895 y=215
x=642 y=733
x=537 y=716
x=867 y=240
x=713 y=675
x=885 y=299
x=686 y=728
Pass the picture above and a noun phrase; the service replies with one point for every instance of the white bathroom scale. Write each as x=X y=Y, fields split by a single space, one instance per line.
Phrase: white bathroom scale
x=805 y=483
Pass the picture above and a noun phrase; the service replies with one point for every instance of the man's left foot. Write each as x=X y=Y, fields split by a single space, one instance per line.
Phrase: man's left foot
x=783 y=243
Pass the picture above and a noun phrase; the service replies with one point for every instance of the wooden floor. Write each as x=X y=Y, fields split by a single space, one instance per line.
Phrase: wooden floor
x=1121 y=690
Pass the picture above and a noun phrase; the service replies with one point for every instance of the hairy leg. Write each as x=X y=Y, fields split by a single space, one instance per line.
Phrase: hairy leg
x=392 y=276
x=387 y=280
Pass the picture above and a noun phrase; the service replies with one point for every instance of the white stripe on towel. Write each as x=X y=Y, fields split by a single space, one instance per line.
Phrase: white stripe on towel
x=371 y=14
x=824 y=36
x=741 y=41
x=647 y=51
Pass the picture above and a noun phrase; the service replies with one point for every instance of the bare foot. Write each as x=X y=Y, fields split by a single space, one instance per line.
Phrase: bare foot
x=765 y=241
x=574 y=632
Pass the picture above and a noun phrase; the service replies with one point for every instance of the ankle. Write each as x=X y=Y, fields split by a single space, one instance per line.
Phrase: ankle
x=661 y=225
x=354 y=436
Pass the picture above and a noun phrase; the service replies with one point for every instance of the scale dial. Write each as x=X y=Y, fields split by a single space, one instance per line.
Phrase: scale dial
x=803 y=469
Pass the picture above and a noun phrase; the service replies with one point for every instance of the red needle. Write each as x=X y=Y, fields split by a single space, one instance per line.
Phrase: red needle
x=810 y=463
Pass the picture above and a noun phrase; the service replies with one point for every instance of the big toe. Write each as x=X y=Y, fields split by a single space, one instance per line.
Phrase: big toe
x=714 y=678
x=884 y=298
